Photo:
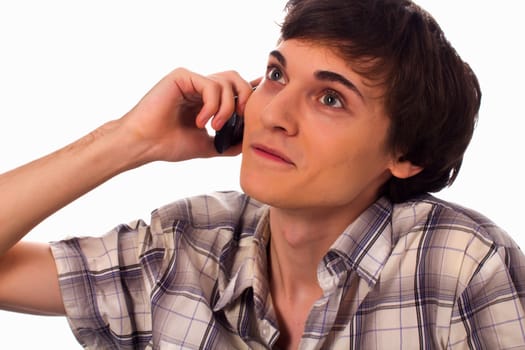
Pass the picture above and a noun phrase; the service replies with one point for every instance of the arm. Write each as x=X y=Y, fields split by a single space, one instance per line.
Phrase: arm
x=489 y=314
x=167 y=124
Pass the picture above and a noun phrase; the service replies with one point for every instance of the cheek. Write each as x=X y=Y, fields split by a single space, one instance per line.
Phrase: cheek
x=252 y=106
x=256 y=183
x=250 y=115
x=350 y=158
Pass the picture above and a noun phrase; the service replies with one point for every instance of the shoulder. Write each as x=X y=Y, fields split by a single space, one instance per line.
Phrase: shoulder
x=448 y=239
x=207 y=221
x=453 y=249
x=432 y=215
x=211 y=211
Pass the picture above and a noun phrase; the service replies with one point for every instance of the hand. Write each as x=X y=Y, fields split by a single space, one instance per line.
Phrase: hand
x=167 y=124
x=170 y=119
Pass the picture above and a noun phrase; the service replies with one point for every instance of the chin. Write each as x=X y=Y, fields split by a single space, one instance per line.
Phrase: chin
x=252 y=187
x=261 y=190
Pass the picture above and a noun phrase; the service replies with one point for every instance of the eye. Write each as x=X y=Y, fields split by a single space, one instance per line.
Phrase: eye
x=275 y=74
x=331 y=99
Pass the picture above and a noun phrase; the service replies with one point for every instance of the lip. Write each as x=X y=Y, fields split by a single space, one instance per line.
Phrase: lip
x=271 y=154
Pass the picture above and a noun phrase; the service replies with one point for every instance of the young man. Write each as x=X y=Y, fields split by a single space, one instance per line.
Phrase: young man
x=335 y=242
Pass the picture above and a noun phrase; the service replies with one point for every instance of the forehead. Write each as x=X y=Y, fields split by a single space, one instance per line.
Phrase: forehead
x=312 y=54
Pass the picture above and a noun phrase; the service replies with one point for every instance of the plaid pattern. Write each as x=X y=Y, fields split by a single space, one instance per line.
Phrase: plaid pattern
x=424 y=274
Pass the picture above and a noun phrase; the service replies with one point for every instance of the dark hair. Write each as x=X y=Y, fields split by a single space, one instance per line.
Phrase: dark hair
x=431 y=96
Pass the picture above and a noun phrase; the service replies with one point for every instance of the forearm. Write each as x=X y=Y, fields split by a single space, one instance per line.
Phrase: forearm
x=167 y=124
x=34 y=191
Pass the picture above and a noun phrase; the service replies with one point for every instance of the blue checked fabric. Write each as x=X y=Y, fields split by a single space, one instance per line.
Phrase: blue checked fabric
x=424 y=274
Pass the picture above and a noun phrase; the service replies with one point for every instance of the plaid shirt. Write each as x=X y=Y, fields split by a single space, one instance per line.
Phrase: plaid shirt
x=424 y=274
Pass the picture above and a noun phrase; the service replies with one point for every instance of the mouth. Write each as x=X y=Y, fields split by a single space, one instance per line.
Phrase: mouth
x=271 y=154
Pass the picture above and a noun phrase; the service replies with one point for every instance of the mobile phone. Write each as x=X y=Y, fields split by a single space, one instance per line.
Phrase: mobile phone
x=230 y=134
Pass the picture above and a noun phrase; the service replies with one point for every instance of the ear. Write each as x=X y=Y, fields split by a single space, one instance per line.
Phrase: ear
x=404 y=169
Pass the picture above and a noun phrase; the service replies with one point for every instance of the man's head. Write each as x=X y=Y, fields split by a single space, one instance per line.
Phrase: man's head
x=360 y=98
x=430 y=95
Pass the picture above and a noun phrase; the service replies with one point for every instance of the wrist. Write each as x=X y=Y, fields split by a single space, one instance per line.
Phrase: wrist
x=114 y=147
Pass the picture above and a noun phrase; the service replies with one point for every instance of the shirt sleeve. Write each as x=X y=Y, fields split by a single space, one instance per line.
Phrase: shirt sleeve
x=489 y=313
x=106 y=283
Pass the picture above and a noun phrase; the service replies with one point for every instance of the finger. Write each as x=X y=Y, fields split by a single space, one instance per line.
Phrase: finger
x=244 y=94
x=256 y=82
x=229 y=93
x=219 y=99
x=207 y=149
x=232 y=151
x=211 y=102
x=226 y=107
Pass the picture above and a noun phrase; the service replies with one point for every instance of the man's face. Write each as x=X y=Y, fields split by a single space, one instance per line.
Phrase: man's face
x=314 y=133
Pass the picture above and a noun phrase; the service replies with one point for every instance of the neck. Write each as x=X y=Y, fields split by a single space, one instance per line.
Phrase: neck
x=300 y=239
x=297 y=245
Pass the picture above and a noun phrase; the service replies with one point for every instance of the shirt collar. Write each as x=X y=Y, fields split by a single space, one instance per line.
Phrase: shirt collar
x=364 y=247
x=252 y=268
x=365 y=244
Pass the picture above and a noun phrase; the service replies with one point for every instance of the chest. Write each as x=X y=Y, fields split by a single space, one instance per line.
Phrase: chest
x=351 y=317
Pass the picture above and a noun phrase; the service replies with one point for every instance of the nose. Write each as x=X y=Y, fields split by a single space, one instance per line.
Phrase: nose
x=280 y=112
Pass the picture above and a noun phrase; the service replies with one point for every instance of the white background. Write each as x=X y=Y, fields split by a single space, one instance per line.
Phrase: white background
x=68 y=66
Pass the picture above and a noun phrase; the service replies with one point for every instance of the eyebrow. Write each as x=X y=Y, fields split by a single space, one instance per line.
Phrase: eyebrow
x=322 y=75
x=279 y=57
x=332 y=76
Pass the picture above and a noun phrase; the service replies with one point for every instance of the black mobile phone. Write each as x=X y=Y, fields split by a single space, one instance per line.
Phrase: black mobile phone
x=230 y=134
